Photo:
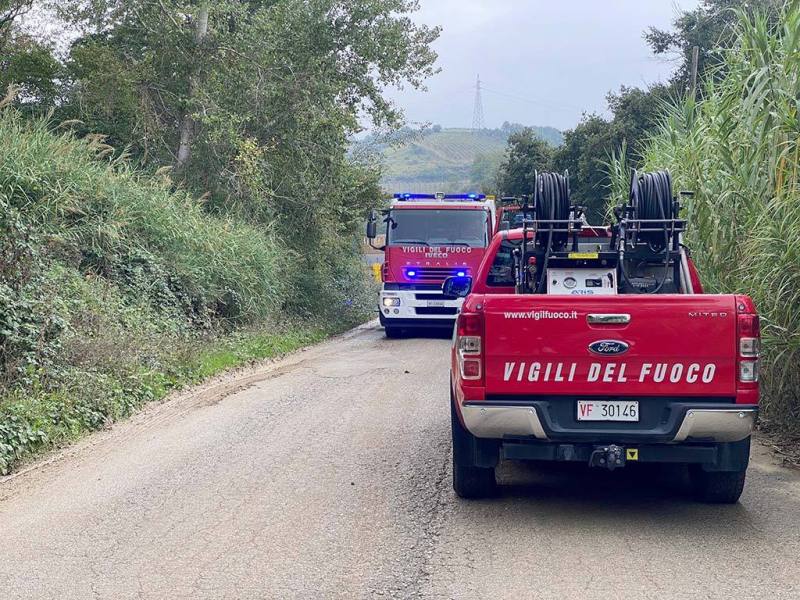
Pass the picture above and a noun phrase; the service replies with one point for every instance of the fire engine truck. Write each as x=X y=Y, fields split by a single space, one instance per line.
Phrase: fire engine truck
x=429 y=237
x=598 y=345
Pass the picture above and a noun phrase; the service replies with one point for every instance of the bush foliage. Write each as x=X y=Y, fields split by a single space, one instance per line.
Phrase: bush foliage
x=738 y=148
x=113 y=287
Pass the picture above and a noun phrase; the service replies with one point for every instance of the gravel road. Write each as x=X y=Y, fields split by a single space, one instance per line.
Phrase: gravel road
x=327 y=475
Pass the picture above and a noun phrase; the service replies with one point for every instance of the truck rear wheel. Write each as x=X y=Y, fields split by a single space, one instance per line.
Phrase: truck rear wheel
x=717 y=487
x=469 y=481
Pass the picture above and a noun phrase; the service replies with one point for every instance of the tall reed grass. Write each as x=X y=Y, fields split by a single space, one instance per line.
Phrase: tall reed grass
x=738 y=148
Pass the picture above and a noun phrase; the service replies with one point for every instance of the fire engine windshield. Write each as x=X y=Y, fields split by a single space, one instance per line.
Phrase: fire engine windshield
x=436 y=227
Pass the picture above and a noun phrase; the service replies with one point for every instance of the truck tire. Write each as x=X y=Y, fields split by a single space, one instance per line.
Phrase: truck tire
x=717 y=487
x=393 y=333
x=469 y=481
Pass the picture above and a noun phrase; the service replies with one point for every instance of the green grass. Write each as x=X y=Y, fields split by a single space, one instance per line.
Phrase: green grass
x=34 y=421
x=114 y=220
x=241 y=349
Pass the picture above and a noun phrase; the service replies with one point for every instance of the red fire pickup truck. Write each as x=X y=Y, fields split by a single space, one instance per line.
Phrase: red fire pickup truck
x=602 y=348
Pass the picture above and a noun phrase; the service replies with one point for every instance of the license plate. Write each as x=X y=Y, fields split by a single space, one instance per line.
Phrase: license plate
x=435 y=303
x=608 y=410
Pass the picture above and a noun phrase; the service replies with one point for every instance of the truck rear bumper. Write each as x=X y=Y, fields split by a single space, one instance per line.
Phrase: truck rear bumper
x=686 y=422
x=722 y=456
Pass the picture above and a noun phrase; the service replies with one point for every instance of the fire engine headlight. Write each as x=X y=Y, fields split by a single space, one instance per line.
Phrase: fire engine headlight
x=748 y=371
x=388 y=302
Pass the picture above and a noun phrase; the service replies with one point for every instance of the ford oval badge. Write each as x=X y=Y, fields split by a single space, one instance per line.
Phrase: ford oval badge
x=608 y=347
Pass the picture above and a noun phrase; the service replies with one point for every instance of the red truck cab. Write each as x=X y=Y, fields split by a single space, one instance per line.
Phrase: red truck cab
x=602 y=373
x=430 y=237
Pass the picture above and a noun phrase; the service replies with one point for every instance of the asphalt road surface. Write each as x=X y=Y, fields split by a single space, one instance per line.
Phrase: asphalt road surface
x=327 y=475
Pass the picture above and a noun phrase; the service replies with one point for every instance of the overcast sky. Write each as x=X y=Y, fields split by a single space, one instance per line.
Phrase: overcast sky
x=542 y=62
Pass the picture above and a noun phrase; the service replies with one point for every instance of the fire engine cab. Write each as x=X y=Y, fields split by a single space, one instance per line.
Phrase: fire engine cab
x=429 y=237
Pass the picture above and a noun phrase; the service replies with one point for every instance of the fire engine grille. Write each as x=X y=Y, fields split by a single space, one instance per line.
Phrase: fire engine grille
x=433 y=273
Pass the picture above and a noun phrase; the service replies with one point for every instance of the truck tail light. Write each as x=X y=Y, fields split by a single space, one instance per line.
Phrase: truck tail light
x=469 y=346
x=748 y=333
x=470 y=368
x=748 y=371
x=749 y=330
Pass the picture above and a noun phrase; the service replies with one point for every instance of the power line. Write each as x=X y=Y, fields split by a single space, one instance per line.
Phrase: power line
x=564 y=106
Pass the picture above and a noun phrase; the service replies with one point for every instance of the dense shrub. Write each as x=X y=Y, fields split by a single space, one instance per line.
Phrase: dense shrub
x=111 y=220
x=29 y=322
x=115 y=288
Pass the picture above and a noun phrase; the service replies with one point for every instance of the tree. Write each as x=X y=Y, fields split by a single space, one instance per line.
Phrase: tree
x=583 y=154
x=32 y=68
x=252 y=104
x=207 y=73
x=483 y=172
x=10 y=12
x=26 y=63
x=635 y=113
x=710 y=28
x=526 y=154
x=253 y=100
x=187 y=121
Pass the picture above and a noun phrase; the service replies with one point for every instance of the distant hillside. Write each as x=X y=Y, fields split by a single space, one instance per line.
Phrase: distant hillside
x=452 y=160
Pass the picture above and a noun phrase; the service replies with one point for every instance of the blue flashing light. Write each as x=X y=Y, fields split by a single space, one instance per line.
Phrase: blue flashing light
x=415 y=196
x=465 y=196
x=461 y=274
x=411 y=273
x=407 y=196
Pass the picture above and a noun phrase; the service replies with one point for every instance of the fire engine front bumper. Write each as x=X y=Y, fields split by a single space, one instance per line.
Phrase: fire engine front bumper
x=686 y=422
x=417 y=308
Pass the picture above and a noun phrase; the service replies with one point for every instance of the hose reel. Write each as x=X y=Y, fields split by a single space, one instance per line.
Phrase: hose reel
x=652 y=205
x=550 y=217
x=649 y=230
x=552 y=209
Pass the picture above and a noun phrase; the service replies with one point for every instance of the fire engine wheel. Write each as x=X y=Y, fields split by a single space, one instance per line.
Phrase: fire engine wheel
x=393 y=333
x=469 y=481
x=717 y=487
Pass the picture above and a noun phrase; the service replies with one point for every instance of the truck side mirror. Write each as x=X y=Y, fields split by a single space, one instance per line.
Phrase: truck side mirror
x=372 y=226
x=457 y=287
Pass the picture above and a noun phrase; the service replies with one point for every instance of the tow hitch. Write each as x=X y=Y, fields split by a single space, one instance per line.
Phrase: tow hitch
x=608 y=457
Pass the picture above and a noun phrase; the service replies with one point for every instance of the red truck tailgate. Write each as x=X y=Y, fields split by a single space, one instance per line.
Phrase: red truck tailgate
x=672 y=345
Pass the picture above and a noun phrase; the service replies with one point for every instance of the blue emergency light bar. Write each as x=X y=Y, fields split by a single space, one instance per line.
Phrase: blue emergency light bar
x=440 y=196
